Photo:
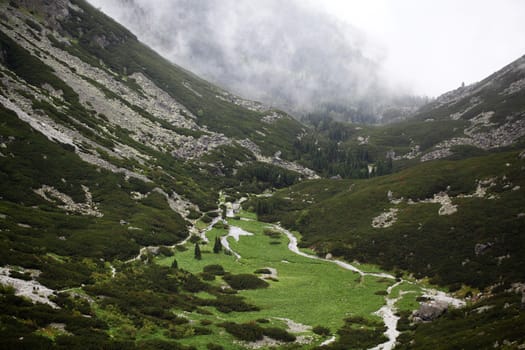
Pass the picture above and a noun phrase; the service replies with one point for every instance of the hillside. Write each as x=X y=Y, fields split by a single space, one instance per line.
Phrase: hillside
x=457 y=221
x=126 y=182
x=470 y=121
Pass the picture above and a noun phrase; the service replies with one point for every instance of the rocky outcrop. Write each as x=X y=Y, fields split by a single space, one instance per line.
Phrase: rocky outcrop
x=276 y=160
x=501 y=136
x=52 y=195
x=51 y=10
x=429 y=311
x=385 y=219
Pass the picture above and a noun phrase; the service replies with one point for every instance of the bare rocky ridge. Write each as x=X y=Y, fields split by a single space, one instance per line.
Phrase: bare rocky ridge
x=479 y=104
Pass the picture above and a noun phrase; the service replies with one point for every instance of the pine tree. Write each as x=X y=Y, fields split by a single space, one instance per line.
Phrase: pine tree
x=217 y=246
x=174 y=264
x=198 y=255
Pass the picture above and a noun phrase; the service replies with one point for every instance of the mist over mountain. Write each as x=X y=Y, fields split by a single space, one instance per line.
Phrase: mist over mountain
x=285 y=54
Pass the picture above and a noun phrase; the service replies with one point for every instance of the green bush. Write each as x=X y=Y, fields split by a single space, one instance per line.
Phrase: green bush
x=245 y=281
x=272 y=233
x=320 y=330
x=228 y=303
x=248 y=331
x=163 y=250
x=278 y=334
x=214 y=269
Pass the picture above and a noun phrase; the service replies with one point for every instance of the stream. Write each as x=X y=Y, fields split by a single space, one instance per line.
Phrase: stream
x=386 y=312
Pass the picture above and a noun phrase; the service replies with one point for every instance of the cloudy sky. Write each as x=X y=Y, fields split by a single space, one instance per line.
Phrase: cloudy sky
x=295 y=52
x=435 y=45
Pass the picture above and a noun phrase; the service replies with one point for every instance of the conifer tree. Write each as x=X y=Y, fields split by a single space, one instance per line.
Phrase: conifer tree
x=217 y=246
x=198 y=255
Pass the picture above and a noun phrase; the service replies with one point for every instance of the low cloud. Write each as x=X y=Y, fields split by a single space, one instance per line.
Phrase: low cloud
x=284 y=53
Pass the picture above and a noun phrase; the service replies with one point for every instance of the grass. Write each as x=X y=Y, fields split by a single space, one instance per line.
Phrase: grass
x=303 y=288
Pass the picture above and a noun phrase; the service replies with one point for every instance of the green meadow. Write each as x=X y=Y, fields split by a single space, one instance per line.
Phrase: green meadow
x=307 y=291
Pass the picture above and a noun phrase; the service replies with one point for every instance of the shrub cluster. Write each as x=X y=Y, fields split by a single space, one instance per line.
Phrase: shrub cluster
x=245 y=281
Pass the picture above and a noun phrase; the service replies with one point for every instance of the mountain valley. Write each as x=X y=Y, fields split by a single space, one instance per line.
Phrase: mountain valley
x=142 y=207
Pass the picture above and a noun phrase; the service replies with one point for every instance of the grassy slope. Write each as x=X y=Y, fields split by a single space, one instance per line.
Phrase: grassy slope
x=339 y=219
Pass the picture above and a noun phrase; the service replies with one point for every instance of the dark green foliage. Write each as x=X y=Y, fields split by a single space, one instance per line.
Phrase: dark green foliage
x=206 y=218
x=252 y=332
x=23 y=276
x=174 y=264
x=320 y=330
x=272 y=233
x=195 y=239
x=217 y=245
x=245 y=281
x=21 y=318
x=278 y=334
x=193 y=215
x=163 y=250
x=221 y=225
x=206 y=276
x=215 y=269
x=158 y=344
x=193 y=284
x=358 y=333
x=468 y=328
x=248 y=331
x=263 y=271
x=230 y=303
x=197 y=252
x=256 y=177
x=211 y=346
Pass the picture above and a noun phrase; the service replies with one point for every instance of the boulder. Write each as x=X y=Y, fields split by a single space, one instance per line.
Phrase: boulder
x=429 y=311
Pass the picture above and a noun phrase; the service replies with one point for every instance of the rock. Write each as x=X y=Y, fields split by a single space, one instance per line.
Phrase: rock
x=481 y=248
x=429 y=311
x=385 y=219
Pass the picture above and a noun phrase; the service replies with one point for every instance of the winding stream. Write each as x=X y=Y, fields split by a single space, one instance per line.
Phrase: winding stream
x=386 y=312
